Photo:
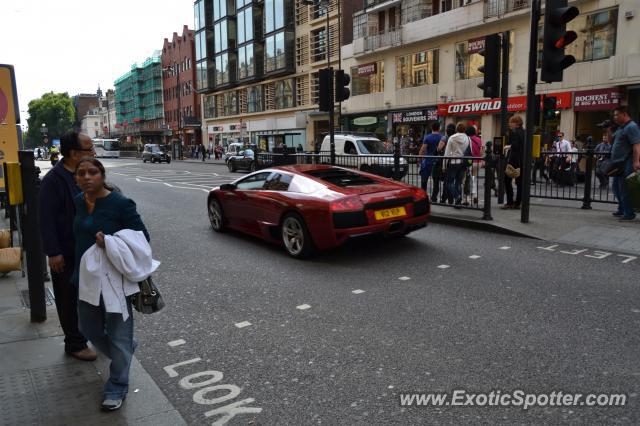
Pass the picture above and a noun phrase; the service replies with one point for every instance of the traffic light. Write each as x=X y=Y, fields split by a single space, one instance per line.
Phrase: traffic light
x=549 y=107
x=556 y=37
x=490 y=84
x=342 y=81
x=325 y=89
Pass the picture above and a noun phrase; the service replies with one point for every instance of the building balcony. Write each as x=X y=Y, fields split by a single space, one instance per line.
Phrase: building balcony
x=374 y=5
x=375 y=42
x=499 y=8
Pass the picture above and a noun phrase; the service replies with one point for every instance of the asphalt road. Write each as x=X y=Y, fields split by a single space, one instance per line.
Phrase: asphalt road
x=337 y=339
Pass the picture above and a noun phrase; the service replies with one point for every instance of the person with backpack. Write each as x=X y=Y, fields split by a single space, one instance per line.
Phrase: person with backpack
x=457 y=145
x=474 y=150
x=429 y=148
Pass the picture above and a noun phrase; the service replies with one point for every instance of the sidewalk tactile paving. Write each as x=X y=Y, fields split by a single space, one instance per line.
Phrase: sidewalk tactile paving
x=66 y=402
x=65 y=376
x=19 y=409
x=18 y=383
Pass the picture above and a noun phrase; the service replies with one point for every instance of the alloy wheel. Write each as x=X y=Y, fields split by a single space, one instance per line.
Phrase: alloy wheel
x=215 y=216
x=293 y=236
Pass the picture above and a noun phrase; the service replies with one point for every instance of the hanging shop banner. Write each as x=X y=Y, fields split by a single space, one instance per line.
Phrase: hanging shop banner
x=417 y=116
x=492 y=106
x=367 y=69
x=475 y=45
x=597 y=100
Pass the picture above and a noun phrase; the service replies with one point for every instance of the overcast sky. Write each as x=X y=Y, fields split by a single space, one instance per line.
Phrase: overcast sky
x=75 y=45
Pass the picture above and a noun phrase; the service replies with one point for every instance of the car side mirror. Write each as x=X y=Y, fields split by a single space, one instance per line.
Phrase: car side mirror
x=227 y=187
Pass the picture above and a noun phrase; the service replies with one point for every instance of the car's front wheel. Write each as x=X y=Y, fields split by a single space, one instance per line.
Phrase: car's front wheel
x=252 y=167
x=231 y=166
x=295 y=236
x=216 y=216
x=144 y=160
x=168 y=160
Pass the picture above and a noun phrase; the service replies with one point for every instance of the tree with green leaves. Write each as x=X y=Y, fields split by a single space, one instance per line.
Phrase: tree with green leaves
x=56 y=111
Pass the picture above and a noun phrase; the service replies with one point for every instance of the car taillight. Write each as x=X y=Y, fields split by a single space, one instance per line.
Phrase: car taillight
x=347 y=204
x=418 y=194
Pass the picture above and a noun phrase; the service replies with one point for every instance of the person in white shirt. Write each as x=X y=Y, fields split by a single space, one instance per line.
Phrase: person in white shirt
x=456 y=147
x=562 y=145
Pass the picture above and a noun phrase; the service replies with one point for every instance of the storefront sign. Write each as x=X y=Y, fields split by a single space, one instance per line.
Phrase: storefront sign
x=492 y=106
x=475 y=45
x=365 y=121
x=418 y=116
x=597 y=100
x=367 y=69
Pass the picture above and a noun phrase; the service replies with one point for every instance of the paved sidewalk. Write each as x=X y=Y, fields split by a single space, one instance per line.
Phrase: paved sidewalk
x=556 y=221
x=40 y=385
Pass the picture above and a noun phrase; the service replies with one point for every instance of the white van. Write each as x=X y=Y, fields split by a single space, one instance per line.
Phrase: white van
x=232 y=150
x=364 y=152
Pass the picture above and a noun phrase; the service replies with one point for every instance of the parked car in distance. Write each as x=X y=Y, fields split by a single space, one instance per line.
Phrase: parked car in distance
x=364 y=152
x=155 y=154
x=243 y=160
x=306 y=207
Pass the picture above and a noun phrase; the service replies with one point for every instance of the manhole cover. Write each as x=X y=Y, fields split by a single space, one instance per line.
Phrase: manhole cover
x=48 y=298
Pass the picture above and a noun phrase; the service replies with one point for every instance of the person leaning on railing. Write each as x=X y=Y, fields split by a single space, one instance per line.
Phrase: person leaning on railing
x=514 y=158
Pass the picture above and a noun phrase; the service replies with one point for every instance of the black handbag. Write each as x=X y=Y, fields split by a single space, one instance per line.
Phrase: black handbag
x=607 y=167
x=148 y=300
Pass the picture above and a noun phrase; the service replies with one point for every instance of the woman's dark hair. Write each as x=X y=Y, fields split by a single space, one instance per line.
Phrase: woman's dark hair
x=69 y=141
x=435 y=126
x=451 y=129
x=100 y=167
x=471 y=130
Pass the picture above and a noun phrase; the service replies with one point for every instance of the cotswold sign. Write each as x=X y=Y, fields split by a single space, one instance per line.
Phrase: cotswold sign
x=492 y=106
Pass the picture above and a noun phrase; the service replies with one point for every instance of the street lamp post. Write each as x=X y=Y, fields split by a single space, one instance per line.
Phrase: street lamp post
x=44 y=130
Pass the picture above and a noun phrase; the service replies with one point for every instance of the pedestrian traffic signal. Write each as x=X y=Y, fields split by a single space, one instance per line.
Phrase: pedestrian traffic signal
x=342 y=81
x=549 y=107
x=490 y=84
x=325 y=89
x=556 y=38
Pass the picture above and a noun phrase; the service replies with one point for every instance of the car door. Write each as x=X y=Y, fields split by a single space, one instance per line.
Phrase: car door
x=239 y=207
x=272 y=200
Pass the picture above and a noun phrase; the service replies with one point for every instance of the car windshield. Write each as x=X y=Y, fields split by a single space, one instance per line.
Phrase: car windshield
x=111 y=145
x=342 y=178
x=156 y=150
x=371 y=146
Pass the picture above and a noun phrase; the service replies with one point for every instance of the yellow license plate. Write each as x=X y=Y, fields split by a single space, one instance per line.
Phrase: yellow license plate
x=390 y=213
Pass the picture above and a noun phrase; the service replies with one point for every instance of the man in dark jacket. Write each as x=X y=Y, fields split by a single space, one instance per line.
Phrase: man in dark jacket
x=56 y=209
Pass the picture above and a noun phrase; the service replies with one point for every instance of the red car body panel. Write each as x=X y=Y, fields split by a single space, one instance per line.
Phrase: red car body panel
x=259 y=212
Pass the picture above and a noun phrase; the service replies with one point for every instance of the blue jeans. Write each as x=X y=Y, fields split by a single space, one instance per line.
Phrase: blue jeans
x=455 y=173
x=114 y=338
x=621 y=193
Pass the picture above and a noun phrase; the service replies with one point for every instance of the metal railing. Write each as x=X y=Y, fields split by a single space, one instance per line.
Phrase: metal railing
x=383 y=39
x=498 y=8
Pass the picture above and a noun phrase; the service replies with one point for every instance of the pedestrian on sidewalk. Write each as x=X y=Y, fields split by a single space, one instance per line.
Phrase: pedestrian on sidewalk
x=514 y=157
x=476 y=151
x=57 y=211
x=429 y=148
x=602 y=152
x=456 y=147
x=203 y=152
x=626 y=148
x=99 y=212
x=439 y=168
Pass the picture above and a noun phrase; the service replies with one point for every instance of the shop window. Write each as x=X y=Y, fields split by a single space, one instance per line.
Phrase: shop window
x=255 y=99
x=366 y=84
x=596 y=36
x=467 y=64
x=284 y=94
x=209 y=106
x=417 y=69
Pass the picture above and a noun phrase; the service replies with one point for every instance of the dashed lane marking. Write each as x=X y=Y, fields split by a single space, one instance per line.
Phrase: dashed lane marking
x=404 y=278
x=243 y=324
x=505 y=248
x=357 y=291
x=175 y=343
x=444 y=266
x=474 y=256
x=303 y=307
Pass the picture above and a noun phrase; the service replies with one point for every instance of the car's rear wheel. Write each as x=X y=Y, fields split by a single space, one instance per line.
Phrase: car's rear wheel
x=231 y=166
x=295 y=236
x=216 y=216
x=144 y=160
x=168 y=160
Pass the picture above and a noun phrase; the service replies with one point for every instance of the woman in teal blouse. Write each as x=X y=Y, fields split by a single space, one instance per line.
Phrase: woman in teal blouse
x=100 y=212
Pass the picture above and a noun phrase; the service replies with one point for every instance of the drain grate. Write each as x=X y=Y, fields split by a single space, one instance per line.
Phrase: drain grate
x=48 y=298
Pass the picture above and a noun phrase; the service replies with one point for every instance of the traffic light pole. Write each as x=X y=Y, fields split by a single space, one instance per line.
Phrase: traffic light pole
x=531 y=105
x=504 y=95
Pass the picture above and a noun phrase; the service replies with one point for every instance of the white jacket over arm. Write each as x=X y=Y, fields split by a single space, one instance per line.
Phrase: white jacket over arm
x=114 y=272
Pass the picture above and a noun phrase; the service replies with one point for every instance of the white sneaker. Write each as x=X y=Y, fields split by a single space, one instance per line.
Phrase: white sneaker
x=111 y=404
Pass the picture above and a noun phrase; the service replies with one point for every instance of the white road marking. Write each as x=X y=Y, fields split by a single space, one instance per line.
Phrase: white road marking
x=636 y=311
x=628 y=258
x=303 y=307
x=404 y=278
x=597 y=254
x=505 y=248
x=443 y=266
x=357 y=291
x=243 y=324
x=474 y=256
x=175 y=343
